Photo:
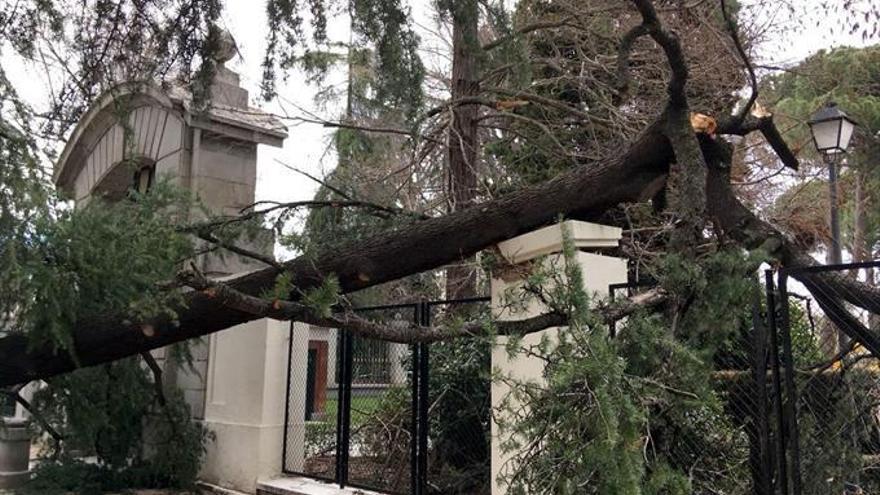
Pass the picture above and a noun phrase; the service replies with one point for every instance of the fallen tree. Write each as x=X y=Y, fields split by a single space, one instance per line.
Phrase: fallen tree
x=585 y=192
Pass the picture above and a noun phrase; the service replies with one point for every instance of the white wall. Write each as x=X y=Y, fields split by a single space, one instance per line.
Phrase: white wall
x=247 y=384
x=598 y=273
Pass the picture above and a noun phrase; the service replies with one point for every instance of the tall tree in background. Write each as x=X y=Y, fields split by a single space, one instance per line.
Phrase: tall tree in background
x=463 y=139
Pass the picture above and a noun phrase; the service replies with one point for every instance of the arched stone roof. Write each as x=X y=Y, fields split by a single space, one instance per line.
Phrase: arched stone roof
x=137 y=121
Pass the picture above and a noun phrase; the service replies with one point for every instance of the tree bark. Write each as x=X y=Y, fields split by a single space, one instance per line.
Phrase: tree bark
x=461 y=277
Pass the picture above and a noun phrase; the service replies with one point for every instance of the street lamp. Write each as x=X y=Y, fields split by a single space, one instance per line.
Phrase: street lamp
x=832 y=129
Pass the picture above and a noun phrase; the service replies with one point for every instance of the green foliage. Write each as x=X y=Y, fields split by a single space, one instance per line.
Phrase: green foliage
x=105 y=258
x=111 y=412
x=640 y=413
x=460 y=418
x=844 y=75
x=382 y=25
x=398 y=68
x=847 y=76
x=836 y=429
x=168 y=40
x=321 y=299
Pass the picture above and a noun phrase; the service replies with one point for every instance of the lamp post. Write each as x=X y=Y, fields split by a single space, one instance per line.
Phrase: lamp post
x=832 y=130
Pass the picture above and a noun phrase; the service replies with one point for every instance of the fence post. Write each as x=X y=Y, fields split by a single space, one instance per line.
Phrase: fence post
x=763 y=471
x=287 y=399
x=791 y=388
x=414 y=420
x=782 y=474
x=423 y=405
x=343 y=413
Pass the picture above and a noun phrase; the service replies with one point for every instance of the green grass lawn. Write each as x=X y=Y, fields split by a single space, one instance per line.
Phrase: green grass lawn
x=362 y=407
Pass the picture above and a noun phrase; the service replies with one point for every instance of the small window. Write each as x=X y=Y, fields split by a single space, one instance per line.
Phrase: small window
x=7 y=406
x=143 y=179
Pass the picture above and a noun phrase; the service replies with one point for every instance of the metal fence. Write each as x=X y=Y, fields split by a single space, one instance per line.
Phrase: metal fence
x=827 y=390
x=801 y=401
x=798 y=403
x=367 y=413
x=721 y=448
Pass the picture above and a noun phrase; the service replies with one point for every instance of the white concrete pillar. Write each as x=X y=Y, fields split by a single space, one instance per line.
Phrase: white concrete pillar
x=598 y=271
x=247 y=390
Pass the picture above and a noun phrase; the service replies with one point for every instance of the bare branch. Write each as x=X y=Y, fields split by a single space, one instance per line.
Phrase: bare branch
x=157 y=376
x=247 y=253
x=753 y=80
x=379 y=210
x=529 y=28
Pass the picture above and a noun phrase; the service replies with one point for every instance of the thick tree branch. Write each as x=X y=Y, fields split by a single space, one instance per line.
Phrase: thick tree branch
x=668 y=41
x=836 y=311
x=621 y=309
x=624 y=51
x=771 y=134
x=828 y=288
x=403 y=331
x=42 y=421
x=686 y=184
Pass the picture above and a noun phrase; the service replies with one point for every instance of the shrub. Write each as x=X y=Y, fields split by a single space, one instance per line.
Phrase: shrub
x=112 y=412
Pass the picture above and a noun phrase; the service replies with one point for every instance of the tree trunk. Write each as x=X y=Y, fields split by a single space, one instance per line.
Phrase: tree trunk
x=461 y=277
x=586 y=191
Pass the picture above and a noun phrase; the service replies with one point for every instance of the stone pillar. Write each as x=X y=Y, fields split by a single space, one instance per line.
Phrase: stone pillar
x=15 y=451
x=247 y=384
x=598 y=271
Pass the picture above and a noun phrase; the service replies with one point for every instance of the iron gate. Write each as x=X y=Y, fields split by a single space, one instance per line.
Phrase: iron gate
x=357 y=413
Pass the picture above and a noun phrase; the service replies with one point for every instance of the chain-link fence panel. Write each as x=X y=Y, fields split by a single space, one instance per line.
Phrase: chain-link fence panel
x=459 y=404
x=311 y=428
x=380 y=416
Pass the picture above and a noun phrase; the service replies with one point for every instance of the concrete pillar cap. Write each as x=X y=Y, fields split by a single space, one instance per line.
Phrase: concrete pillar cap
x=548 y=240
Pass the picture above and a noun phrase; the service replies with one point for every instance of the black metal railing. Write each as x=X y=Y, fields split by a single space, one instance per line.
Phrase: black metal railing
x=800 y=401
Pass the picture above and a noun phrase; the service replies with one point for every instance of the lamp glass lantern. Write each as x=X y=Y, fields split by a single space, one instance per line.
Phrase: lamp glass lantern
x=832 y=129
